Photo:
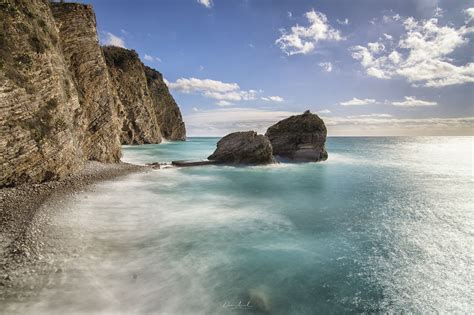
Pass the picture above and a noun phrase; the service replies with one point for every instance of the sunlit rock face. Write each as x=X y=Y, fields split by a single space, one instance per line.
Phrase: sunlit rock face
x=39 y=103
x=299 y=138
x=243 y=148
x=59 y=104
x=98 y=133
x=167 y=111
x=149 y=111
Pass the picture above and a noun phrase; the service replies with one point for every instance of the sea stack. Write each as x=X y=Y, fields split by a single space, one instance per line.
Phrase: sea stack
x=243 y=148
x=299 y=138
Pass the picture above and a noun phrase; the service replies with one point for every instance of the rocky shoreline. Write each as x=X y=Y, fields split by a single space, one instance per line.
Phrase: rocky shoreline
x=24 y=214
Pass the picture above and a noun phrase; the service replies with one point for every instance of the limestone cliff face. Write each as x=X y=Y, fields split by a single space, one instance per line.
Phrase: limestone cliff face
x=98 y=132
x=167 y=111
x=59 y=104
x=128 y=74
x=39 y=103
x=149 y=111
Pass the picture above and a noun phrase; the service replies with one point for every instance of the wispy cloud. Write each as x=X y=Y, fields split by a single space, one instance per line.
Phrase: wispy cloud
x=303 y=40
x=343 y=22
x=411 y=101
x=273 y=99
x=327 y=66
x=218 y=90
x=113 y=40
x=470 y=14
x=151 y=58
x=356 y=102
x=207 y=3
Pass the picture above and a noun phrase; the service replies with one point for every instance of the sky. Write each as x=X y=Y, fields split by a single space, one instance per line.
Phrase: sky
x=367 y=67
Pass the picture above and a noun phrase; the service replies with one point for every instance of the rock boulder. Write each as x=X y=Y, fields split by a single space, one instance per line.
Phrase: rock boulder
x=299 y=137
x=243 y=148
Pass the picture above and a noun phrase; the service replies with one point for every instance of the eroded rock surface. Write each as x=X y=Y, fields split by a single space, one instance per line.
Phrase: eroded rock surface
x=59 y=104
x=98 y=124
x=299 y=137
x=39 y=103
x=167 y=111
x=243 y=148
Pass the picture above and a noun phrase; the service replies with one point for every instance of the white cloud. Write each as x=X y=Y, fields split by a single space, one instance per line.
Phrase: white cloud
x=194 y=84
x=218 y=90
x=411 y=101
x=376 y=47
x=387 y=36
x=290 y=15
x=303 y=40
x=327 y=66
x=223 y=103
x=151 y=58
x=324 y=111
x=470 y=14
x=421 y=56
x=343 y=22
x=355 y=102
x=195 y=109
x=222 y=121
x=371 y=116
x=207 y=3
x=273 y=99
x=113 y=40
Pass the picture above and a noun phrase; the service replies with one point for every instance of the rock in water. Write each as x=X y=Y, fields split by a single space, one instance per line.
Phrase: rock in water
x=300 y=138
x=243 y=148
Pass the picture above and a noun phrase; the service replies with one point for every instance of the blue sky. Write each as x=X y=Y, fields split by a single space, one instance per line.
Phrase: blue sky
x=373 y=67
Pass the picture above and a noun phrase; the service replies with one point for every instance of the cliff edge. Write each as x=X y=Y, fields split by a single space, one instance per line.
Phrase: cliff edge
x=62 y=102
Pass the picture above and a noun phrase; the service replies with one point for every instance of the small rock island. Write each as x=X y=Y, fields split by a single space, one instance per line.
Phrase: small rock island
x=298 y=138
x=243 y=148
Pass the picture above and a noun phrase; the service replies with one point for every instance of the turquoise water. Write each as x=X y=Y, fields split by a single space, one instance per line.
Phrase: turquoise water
x=385 y=225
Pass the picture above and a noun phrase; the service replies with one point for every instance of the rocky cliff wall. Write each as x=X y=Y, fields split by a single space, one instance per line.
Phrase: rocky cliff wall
x=39 y=103
x=139 y=122
x=59 y=104
x=167 y=111
x=149 y=111
x=98 y=120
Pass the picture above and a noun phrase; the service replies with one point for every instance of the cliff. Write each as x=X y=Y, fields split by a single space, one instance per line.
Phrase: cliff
x=38 y=99
x=97 y=119
x=59 y=104
x=149 y=111
x=167 y=111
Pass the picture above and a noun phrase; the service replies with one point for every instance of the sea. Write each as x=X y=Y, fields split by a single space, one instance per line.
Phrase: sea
x=386 y=224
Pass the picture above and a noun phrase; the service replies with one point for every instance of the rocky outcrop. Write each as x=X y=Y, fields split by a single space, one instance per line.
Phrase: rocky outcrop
x=139 y=121
x=39 y=103
x=243 y=148
x=98 y=124
x=167 y=111
x=300 y=138
x=59 y=104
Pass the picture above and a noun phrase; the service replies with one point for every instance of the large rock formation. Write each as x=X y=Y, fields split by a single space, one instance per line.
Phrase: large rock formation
x=39 y=103
x=149 y=111
x=58 y=103
x=300 y=137
x=243 y=148
x=139 y=124
x=97 y=120
x=167 y=111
